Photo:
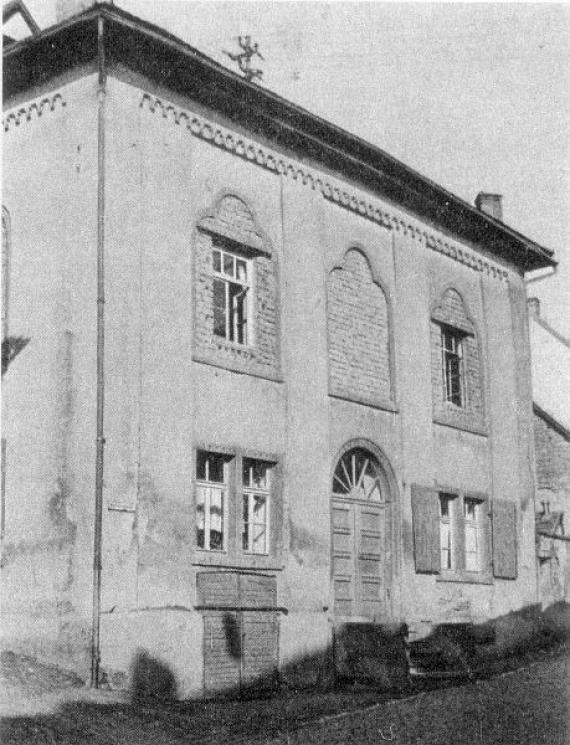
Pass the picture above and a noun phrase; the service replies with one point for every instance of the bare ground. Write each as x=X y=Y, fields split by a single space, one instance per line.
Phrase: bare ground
x=527 y=706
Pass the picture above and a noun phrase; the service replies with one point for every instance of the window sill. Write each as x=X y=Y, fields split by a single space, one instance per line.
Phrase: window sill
x=371 y=403
x=242 y=364
x=471 y=578
x=247 y=561
x=457 y=419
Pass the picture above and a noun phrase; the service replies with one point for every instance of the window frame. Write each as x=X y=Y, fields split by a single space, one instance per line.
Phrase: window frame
x=233 y=327
x=459 y=571
x=208 y=485
x=233 y=554
x=249 y=492
x=449 y=355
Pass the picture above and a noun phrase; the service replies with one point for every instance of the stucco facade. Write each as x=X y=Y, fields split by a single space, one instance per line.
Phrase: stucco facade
x=348 y=290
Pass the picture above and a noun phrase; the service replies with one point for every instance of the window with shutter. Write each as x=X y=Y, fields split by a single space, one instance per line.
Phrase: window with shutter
x=504 y=539
x=426 y=518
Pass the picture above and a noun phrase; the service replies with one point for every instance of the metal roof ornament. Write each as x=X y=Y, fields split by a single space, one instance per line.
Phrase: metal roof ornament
x=244 y=57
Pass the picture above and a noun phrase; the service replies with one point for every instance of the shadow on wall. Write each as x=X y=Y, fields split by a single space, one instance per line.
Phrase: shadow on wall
x=151 y=680
x=503 y=643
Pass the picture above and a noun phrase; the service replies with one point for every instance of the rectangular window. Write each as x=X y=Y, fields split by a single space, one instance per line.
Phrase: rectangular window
x=255 y=506
x=452 y=366
x=210 y=501
x=230 y=295
x=446 y=502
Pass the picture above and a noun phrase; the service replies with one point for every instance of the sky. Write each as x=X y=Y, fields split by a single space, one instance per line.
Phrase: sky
x=476 y=96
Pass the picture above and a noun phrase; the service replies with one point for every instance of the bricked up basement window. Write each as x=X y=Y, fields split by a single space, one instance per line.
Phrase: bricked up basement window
x=453 y=366
x=231 y=295
x=255 y=506
x=211 y=501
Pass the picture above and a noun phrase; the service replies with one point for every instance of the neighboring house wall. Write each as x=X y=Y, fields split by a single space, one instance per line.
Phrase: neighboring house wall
x=293 y=399
x=552 y=447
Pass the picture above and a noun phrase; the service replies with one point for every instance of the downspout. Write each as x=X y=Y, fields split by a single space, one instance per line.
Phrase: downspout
x=100 y=440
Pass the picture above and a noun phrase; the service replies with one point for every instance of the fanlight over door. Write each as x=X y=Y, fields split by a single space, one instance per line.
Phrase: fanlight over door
x=360 y=536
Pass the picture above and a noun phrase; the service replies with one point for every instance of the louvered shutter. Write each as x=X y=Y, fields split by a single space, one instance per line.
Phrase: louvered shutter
x=504 y=539
x=425 y=513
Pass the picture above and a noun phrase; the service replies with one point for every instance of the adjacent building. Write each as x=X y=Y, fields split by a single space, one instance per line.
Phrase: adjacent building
x=265 y=381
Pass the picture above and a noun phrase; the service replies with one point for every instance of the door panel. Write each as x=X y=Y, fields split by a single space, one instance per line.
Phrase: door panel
x=359 y=544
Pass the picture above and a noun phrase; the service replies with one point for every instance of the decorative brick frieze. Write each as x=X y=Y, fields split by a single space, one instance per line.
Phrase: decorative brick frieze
x=231 y=224
x=264 y=157
x=359 y=347
x=30 y=111
x=450 y=311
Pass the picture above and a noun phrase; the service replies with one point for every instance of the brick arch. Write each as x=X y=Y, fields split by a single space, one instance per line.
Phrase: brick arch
x=451 y=309
x=231 y=216
x=358 y=321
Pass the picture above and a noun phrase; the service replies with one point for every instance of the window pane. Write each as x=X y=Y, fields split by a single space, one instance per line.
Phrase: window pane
x=210 y=466
x=259 y=539
x=219 y=291
x=200 y=516
x=217 y=261
x=241 y=271
x=216 y=519
x=238 y=299
x=229 y=262
x=254 y=473
x=469 y=509
x=259 y=508
x=245 y=528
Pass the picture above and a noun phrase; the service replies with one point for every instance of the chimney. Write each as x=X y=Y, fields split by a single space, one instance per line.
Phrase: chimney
x=66 y=8
x=533 y=304
x=490 y=204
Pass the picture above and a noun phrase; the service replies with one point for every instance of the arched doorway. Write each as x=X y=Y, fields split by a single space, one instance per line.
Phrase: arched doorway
x=361 y=503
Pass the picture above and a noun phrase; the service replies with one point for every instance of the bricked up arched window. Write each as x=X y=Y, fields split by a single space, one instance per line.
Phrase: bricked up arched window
x=358 y=331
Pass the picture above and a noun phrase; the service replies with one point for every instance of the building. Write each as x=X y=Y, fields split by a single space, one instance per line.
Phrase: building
x=550 y=354
x=266 y=382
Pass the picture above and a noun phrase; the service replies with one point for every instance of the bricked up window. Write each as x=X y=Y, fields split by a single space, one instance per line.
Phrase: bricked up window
x=452 y=366
x=230 y=295
x=255 y=506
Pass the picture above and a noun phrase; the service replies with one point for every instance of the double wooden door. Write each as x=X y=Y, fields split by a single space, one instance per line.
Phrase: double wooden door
x=359 y=555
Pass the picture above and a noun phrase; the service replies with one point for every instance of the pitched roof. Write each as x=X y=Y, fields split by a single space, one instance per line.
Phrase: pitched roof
x=550 y=355
x=167 y=60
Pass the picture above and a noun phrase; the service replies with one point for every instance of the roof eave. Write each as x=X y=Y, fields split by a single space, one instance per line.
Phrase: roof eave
x=264 y=112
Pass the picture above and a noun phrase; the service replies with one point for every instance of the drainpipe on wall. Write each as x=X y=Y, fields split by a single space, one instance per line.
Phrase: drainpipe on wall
x=100 y=440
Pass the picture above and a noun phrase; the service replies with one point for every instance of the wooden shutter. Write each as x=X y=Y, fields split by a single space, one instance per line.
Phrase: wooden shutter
x=425 y=512
x=504 y=515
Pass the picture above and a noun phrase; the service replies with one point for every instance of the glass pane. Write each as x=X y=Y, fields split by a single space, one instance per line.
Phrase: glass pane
x=259 y=539
x=217 y=261
x=245 y=529
x=229 y=262
x=254 y=473
x=219 y=302
x=242 y=271
x=200 y=516
x=216 y=468
x=469 y=509
x=216 y=519
x=444 y=506
x=201 y=459
x=259 y=508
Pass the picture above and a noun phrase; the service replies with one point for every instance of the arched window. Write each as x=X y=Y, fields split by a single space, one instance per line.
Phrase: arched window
x=361 y=536
x=457 y=382
x=358 y=475
x=236 y=308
